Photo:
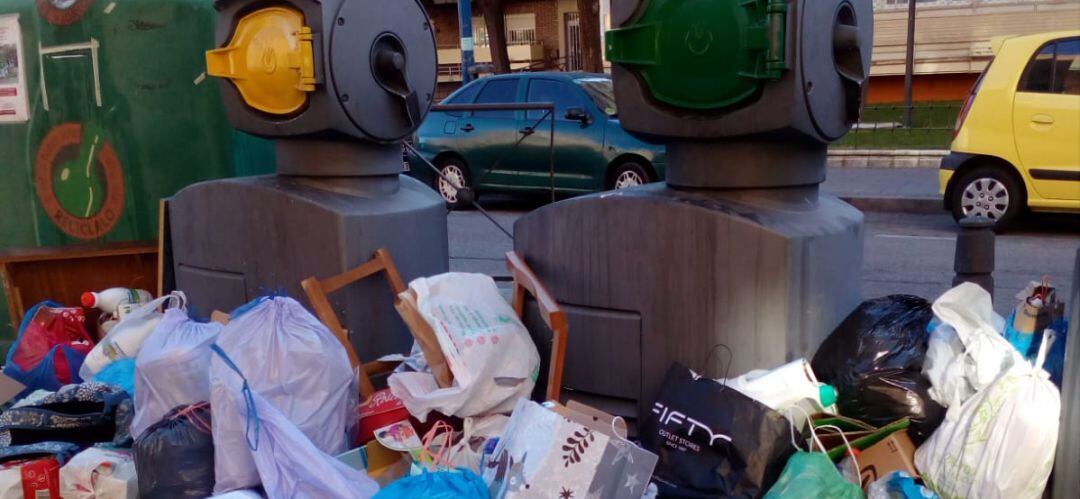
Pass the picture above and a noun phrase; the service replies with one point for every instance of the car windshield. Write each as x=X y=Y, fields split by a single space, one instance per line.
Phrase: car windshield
x=601 y=92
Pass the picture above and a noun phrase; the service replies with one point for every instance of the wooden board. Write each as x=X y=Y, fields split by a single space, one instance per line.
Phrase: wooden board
x=165 y=277
x=62 y=274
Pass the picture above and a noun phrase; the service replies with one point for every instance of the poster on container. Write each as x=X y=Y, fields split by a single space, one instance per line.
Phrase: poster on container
x=13 y=99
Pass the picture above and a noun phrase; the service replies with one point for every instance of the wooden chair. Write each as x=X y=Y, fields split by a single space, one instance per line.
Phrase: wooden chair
x=318 y=289
x=525 y=281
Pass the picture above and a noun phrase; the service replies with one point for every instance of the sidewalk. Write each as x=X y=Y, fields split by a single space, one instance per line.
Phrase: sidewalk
x=905 y=190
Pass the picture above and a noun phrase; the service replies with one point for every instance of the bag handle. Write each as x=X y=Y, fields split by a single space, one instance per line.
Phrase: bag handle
x=1044 y=349
x=196 y=420
x=709 y=356
x=851 y=450
x=440 y=459
x=791 y=427
x=813 y=435
x=175 y=299
x=249 y=400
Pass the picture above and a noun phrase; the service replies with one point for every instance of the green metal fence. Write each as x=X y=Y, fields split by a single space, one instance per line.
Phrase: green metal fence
x=881 y=127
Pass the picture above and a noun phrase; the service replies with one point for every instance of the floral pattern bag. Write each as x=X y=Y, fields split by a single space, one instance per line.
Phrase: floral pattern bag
x=544 y=454
x=84 y=415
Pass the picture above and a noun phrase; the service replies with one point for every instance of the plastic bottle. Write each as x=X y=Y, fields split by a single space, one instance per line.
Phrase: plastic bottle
x=790 y=384
x=113 y=300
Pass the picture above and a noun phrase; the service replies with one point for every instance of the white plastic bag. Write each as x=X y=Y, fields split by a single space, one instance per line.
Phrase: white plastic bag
x=297 y=365
x=127 y=336
x=468 y=452
x=97 y=473
x=490 y=353
x=288 y=463
x=172 y=368
x=1001 y=444
x=966 y=353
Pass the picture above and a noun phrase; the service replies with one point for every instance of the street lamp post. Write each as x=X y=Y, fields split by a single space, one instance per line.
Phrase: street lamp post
x=466 y=34
x=909 y=63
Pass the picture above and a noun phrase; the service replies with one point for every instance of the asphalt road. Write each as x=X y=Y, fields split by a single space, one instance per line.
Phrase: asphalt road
x=902 y=253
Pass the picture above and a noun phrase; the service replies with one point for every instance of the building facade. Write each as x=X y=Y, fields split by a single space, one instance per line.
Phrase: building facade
x=952 y=41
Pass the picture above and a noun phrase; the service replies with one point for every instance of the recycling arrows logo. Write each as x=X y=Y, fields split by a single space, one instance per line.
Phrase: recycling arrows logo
x=79 y=181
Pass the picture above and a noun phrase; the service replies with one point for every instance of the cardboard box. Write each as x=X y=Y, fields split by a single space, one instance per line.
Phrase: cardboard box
x=33 y=478
x=895 y=453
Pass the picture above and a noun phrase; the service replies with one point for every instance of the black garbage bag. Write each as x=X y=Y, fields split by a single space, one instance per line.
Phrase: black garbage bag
x=874 y=359
x=174 y=458
x=885 y=396
x=883 y=333
x=712 y=440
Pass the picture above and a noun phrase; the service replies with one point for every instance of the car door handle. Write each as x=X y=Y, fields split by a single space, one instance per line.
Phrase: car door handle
x=1043 y=119
x=526 y=131
x=468 y=127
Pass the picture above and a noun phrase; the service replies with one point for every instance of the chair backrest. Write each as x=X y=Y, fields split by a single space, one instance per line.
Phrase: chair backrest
x=525 y=281
x=318 y=289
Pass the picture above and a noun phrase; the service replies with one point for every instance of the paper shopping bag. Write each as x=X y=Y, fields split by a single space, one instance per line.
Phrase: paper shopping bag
x=560 y=452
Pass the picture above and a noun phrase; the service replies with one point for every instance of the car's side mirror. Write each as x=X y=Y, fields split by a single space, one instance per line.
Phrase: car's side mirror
x=578 y=114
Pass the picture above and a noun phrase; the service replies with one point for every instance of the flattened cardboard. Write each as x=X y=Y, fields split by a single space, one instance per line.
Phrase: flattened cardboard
x=9 y=388
x=219 y=317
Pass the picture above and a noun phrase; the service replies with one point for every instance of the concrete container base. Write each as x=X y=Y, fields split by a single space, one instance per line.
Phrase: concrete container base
x=236 y=239
x=653 y=275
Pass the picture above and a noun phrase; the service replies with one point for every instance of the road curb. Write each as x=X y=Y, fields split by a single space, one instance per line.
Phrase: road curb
x=921 y=206
x=885 y=158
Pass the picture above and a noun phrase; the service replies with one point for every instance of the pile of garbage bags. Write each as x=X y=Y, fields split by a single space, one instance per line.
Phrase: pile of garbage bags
x=905 y=399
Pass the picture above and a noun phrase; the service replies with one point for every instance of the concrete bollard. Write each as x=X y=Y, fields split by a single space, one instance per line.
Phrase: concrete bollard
x=974 y=259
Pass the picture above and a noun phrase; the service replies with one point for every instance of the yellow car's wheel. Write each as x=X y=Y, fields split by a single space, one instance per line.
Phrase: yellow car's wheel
x=989 y=191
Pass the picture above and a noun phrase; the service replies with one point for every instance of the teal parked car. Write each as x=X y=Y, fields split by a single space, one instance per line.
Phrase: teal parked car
x=592 y=152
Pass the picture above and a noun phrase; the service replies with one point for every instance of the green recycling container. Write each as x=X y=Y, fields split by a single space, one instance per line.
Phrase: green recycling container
x=105 y=108
x=703 y=54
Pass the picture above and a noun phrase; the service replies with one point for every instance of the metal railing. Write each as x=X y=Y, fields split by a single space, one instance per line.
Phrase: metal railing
x=521 y=36
x=881 y=127
x=548 y=109
x=882 y=5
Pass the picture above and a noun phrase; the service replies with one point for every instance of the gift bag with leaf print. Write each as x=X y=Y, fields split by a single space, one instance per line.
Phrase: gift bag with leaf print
x=562 y=452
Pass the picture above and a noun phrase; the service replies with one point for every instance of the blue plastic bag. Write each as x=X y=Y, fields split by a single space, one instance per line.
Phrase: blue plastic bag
x=120 y=373
x=1028 y=345
x=49 y=349
x=459 y=484
x=899 y=485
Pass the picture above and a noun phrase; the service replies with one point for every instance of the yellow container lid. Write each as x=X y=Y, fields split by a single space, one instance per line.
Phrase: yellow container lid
x=269 y=59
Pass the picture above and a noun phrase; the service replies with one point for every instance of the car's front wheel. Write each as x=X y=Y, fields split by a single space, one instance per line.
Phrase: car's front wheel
x=991 y=192
x=455 y=175
x=628 y=174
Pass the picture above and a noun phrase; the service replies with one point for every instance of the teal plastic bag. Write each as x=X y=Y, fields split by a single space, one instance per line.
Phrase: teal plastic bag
x=812 y=474
x=119 y=373
x=459 y=484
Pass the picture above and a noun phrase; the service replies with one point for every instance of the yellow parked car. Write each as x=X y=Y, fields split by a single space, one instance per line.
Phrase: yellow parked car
x=1016 y=144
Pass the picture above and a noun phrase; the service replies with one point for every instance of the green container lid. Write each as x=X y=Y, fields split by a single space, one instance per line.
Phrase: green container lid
x=703 y=54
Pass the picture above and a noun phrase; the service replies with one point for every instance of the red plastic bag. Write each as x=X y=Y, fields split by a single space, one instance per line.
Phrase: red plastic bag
x=50 y=347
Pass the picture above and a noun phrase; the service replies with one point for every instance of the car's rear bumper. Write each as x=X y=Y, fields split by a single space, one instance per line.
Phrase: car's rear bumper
x=949 y=163
x=953 y=160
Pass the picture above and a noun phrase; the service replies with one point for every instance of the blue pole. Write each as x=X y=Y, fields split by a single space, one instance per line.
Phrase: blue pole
x=465 y=22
